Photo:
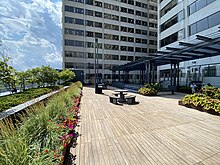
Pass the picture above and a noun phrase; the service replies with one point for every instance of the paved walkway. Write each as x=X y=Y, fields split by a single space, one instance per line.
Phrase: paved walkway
x=155 y=131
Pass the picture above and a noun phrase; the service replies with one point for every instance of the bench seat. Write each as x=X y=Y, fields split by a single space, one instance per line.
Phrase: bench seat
x=113 y=99
x=130 y=99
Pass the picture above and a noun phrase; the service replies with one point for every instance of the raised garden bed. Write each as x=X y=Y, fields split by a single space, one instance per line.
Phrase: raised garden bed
x=200 y=108
x=45 y=133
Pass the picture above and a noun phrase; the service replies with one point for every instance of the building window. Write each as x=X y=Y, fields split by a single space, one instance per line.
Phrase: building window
x=197 y=5
x=214 y=20
x=79 y=10
x=69 y=20
x=89 y=23
x=210 y=71
x=138 y=40
x=138 y=31
x=168 y=40
x=89 y=34
x=168 y=7
x=138 y=4
x=74 y=43
x=99 y=4
x=137 y=49
x=89 y=2
x=79 y=21
x=208 y=22
x=172 y=21
x=89 y=12
x=98 y=24
x=98 y=35
x=98 y=14
x=89 y=45
x=90 y=55
x=69 y=8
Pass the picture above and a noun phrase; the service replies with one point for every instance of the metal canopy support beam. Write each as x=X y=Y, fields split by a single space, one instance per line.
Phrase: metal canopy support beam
x=181 y=56
x=171 y=74
x=203 y=38
x=191 y=54
x=212 y=49
x=174 y=76
x=178 y=74
x=172 y=48
x=186 y=44
x=153 y=71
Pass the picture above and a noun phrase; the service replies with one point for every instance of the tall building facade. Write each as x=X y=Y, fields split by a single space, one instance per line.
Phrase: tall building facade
x=182 y=20
x=126 y=31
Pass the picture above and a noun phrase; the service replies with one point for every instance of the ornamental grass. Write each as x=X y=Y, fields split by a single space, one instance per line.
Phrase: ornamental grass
x=43 y=134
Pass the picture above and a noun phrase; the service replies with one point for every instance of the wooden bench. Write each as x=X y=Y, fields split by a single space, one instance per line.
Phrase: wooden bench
x=113 y=99
x=130 y=99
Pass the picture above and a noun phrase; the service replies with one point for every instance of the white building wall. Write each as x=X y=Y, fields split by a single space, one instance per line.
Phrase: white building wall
x=188 y=20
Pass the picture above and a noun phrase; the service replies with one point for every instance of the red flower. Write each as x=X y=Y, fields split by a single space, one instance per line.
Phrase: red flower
x=46 y=151
x=65 y=145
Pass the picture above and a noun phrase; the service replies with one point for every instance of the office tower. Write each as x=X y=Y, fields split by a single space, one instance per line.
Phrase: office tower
x=126 y=31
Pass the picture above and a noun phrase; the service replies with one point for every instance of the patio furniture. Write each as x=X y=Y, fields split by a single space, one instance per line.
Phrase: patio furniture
x=130 y=99
x=113 y=99
x=122 y=95
x=115 y=93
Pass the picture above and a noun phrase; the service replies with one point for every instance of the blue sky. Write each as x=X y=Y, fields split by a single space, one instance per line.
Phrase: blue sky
x=30 y=31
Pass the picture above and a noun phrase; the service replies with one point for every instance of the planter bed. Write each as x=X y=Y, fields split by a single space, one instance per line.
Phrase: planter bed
x=46 y=132
x=200 y=108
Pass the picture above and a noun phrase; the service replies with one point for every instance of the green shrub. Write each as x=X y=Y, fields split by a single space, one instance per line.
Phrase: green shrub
x=202 y=101
x=147 y=91
x=211 y=91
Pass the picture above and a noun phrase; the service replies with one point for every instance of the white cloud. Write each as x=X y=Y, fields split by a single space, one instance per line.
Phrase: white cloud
x=31 y=31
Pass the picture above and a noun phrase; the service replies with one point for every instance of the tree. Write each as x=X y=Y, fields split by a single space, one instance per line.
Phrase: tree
x=23 y=78
x=49 y=75
x=7 y=73
x=66 y=75
x=35 y=76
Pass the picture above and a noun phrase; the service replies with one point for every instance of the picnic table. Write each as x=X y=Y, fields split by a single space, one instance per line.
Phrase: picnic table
x=122 y=95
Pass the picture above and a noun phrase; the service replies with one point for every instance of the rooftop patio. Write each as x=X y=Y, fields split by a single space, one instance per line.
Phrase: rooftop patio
x=155 y=131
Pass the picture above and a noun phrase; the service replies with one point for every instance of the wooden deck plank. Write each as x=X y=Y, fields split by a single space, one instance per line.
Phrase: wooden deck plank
x=155 y=131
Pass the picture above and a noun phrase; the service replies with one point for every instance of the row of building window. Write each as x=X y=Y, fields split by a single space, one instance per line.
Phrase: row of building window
x=106 y=15
x=172 y=38
x=105 y=57
x=114 y=7
x=109 y=26
x=172 y=21
x=109 y=46
x=168 y=7
x=110 y=36
x=197 y=5
x=205 y=23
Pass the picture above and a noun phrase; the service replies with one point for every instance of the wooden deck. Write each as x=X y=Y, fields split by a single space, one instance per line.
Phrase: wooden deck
x=155 y=131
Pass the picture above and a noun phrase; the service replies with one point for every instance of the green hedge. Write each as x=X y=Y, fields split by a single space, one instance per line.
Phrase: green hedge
x=9 y=101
